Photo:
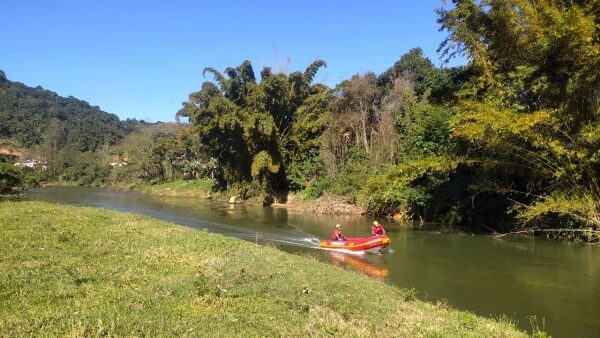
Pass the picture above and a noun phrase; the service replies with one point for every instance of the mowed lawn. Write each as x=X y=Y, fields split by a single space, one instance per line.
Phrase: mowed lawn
x=79 y=271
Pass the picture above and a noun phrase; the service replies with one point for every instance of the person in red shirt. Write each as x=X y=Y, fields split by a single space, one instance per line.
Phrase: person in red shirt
x=377 y=229
x=337 y=235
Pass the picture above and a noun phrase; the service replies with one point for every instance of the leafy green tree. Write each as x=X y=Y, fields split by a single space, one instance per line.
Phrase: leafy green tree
x=406 y=186
x=412 y=66
x=198 y=169
x=257 y=130
x=531 y=107
x=10 y=178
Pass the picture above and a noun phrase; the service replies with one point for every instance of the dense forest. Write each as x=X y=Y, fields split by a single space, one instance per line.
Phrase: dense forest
x=71 y=140
x=34 y=116
x=509 y=141
x=55 y=130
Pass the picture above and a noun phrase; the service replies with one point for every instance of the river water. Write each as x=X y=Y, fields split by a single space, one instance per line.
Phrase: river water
x=552 y=284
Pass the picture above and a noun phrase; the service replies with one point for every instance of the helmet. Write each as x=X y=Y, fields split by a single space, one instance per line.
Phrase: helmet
x=338 y=226
x=375 y=222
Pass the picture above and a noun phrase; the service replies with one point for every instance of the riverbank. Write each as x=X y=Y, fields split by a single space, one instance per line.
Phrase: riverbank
x=180 y=188
x=333 y=205
x=325 y=205
x=84 y=271
x=202 y=188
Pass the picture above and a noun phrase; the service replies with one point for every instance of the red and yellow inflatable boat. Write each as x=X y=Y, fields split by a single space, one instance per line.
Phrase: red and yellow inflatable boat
x=358 y=245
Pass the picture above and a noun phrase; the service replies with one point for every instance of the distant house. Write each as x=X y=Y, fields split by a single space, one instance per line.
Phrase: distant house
x=33 y=164
x=118 y=164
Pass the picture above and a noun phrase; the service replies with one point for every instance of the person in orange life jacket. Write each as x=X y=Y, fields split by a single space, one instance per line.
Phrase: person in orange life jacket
x=377 y=229
x=337 y=235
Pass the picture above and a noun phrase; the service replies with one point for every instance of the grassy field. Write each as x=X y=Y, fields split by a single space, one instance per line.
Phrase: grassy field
x=183 y=188
x=76 y=271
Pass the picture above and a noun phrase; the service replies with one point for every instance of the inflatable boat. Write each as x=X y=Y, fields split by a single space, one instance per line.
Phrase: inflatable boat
x=358 y=245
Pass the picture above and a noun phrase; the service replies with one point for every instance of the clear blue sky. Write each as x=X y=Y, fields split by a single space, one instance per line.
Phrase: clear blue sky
x=141 y=59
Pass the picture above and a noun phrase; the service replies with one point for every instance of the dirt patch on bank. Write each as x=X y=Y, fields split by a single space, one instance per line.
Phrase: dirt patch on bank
x=326 y=205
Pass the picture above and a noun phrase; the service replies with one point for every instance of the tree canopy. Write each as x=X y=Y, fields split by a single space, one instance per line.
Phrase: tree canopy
x=531 y=110
x=260 y=132
x=26 y=114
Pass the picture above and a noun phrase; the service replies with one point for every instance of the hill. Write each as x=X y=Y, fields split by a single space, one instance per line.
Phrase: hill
x=32 y=116
x=69 y=139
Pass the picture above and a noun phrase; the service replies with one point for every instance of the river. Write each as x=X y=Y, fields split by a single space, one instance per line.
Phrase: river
x=556 y=283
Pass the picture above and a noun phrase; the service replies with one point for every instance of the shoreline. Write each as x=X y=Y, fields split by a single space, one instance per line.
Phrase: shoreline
x=324 y=205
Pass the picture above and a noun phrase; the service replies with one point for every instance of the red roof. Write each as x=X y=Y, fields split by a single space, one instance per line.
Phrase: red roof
x=8 y=152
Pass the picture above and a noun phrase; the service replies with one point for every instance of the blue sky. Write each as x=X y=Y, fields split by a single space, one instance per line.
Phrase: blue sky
x=141 y=59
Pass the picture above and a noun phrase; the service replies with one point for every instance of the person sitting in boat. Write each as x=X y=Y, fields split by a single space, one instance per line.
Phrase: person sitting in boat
x=377 y=229
x=337 y=235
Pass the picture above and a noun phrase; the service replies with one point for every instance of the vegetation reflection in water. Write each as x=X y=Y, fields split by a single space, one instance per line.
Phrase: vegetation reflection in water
x=556 y=282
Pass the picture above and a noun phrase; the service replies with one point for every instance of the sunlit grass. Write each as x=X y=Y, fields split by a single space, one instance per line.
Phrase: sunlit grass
x=76 y=271
x=184 y=188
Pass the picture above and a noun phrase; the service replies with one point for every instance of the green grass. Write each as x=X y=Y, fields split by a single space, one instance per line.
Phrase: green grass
x=4 y=197
x=62 y=184
x=192 y=188
x=78 y=271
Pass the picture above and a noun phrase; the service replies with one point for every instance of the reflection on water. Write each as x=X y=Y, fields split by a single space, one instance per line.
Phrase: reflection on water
x=554 y=281
x=359 y=263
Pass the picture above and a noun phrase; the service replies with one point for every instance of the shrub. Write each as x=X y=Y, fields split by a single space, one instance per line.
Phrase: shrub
x=10 y=178
x=406 y=186
x=317 y=187
x=301 y=175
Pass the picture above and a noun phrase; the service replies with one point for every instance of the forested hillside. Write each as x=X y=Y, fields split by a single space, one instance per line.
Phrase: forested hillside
x=35 y=116
x=78 y=143
x=66 y=134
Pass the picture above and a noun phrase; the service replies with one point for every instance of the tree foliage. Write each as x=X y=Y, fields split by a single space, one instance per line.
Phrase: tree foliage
x=533 y=101
x=25 y=113
x=10 y=178
x=259 y=131
x=407 y=186
x=63 y=131
x=384 y=123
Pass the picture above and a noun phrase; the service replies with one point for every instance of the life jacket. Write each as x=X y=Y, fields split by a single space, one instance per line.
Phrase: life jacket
x=336 y=235
x=378 y=230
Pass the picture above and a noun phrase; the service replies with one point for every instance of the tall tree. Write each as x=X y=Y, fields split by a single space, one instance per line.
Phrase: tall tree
x=357 y=104
x=532 y=107
x=414 y=67
x=54 y=139
x=258 y=131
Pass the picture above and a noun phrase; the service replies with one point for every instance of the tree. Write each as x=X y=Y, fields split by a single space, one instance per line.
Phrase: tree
x=54 y=139
x=356 y=105
x=532 y=105
x=414 y=67
x=257 y=131
x=10 y=178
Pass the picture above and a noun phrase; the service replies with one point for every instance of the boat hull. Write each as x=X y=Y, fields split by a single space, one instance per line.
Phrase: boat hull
x=358 y=245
